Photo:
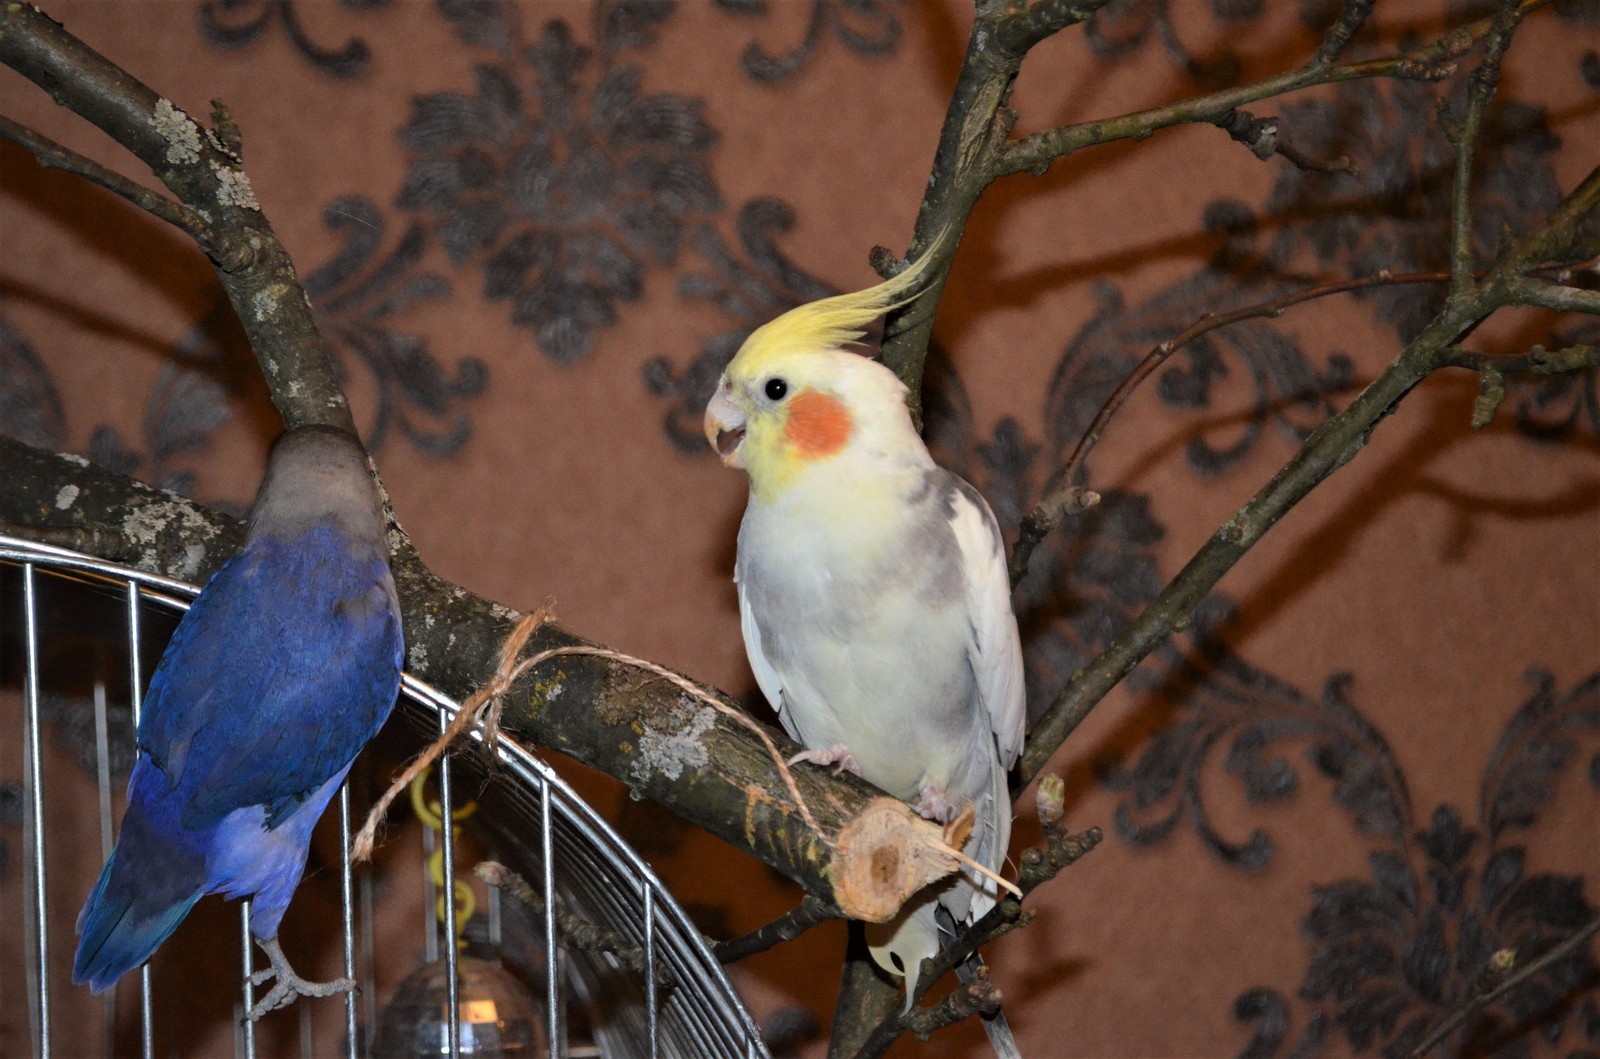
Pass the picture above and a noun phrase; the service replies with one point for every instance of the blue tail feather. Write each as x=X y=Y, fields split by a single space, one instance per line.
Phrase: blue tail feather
x=144 y=892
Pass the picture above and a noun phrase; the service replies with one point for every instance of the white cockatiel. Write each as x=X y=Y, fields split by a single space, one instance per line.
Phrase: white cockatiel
x=873 y=591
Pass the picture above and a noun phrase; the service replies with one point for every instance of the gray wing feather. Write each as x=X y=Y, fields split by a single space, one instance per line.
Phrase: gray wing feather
x=995 y=651
x=767 y=677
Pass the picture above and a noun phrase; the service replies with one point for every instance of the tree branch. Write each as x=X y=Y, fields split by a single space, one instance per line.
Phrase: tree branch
x=1351 y=18
x=974 y=150
x=1434 y=61
x=976 y=124
x=863 y=852
x=615 y=717
x=793 y=923
x=1328 y=448
x=202 y=168
x=53 y=155
x=1063 y=498
x=1264 y=137
x=1038 y=866
x=1537 y=361
x=1476 y=1006
x=1531 y=290
x=1480 y=93
x=635 y=726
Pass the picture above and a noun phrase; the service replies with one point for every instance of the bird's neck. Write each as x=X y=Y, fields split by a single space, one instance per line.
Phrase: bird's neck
x=856 y=493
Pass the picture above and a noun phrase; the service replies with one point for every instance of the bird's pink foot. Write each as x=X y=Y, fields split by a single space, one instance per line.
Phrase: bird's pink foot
x=838 y=755
x=931 y=804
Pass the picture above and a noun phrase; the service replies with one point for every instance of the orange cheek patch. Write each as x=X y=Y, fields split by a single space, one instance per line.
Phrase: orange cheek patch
x=819 y=424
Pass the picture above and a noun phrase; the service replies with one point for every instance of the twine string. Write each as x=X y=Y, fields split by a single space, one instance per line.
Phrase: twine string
x=486 y=705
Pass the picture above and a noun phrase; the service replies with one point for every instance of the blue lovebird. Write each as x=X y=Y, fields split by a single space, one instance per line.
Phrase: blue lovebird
x=285 y=666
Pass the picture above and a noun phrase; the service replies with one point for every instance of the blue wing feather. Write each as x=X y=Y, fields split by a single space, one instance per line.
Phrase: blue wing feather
x=282 y=670
x=257 y=703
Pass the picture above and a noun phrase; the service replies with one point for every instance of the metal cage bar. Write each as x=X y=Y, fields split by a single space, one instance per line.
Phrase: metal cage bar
x=447 y=842
x=33 y=783
x=147 y=1015
x=699 y=1015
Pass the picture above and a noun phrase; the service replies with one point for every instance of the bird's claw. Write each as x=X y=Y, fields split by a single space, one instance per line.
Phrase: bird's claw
x=931 y=804
x=286 y=991
x=838 y=755
x=289 y=986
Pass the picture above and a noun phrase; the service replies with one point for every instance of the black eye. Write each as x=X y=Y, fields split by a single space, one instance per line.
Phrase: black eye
x=775 y=389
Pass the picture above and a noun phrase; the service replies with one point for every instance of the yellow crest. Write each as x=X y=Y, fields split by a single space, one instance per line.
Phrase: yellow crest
x=832 y=322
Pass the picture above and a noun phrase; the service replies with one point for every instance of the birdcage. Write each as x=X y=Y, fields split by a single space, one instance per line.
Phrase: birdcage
x=580 y=950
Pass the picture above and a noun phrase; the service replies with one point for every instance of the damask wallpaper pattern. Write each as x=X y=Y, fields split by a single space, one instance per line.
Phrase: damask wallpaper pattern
x=535 y=232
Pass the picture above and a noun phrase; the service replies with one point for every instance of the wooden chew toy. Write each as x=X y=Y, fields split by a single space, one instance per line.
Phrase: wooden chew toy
x=888 y=852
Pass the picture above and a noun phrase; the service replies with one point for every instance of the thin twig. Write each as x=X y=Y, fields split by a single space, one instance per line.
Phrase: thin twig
x=977 y=997
x=1351 y=18
x=1039 y=866
x=1035 y=153
x=1537 y=361
x=575 y=931
x=1330 y=446
x=53 y=155
x=1531 y=290
x=1264 y=137
x=1480 y=93
x=1063 y=498
x=1475 y=1007
x=810 y=912
x=1492 y=369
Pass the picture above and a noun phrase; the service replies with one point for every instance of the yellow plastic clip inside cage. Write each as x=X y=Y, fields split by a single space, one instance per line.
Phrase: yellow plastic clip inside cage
x=431 y=813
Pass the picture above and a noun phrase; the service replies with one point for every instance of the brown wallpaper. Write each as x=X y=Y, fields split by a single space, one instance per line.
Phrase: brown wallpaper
x=533 y=234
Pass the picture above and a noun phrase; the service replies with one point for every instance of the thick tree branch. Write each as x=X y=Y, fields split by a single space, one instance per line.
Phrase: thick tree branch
x=976 y=124
x=203 y=169
x=618 y=718
x=862 y=852
x=1017 y=25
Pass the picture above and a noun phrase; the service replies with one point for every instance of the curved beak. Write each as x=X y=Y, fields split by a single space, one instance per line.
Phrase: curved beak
x=724 y=425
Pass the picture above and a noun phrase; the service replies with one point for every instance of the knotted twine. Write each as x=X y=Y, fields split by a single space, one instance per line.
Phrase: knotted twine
x=486 y=704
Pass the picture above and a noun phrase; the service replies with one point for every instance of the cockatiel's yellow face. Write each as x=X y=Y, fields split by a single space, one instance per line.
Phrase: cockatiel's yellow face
x=775 y=415
x=792 y=398
x=776 y=409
